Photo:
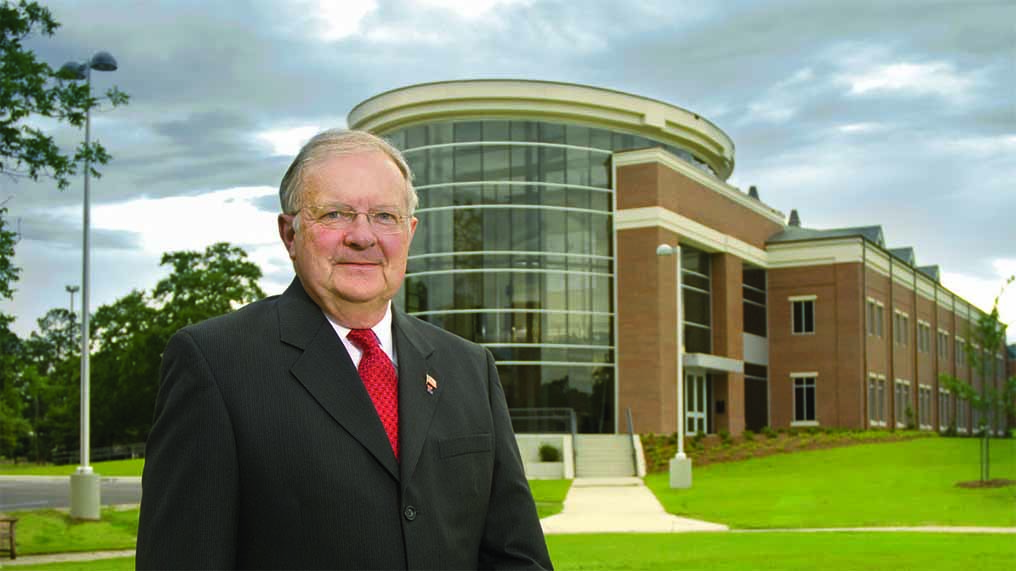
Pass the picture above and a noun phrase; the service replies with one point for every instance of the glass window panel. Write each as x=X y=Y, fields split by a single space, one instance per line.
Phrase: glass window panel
x=552 y=164
x=552 y=133
x=496 y=131
x=697 y=340
x=578 y=167
x=468 y=131
x=577 y=135
x=416 y=136
x=441 y=133
x=468 y=230
x=578 y=233
x=496 y=161
x=696 y=307
x=468 y=163
x=397 y=139
x=441 y=166
x=600 y=139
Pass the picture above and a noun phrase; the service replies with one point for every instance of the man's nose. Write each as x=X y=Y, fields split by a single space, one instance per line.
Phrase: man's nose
x=360 y=234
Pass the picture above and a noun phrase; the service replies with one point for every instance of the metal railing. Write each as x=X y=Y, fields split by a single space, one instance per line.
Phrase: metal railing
x=544 y=420
x=117 y=452
x=631 y=436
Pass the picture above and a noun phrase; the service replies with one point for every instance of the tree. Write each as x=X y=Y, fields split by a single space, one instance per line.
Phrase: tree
x=29 y=89
x=991 y=402
x=131 y=333
x=12 y=422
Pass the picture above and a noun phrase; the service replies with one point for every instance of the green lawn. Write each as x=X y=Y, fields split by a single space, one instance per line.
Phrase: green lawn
x=549 y=495
x=739 y=551
x=908 y=483
x=51 y=531
x=110 y=468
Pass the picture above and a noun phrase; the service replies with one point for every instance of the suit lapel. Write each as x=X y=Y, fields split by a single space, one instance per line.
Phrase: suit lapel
x=327 y=373
x=416 y=403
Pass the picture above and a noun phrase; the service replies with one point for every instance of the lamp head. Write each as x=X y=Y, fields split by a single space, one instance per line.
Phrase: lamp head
x=103 y=61
x=664 y=250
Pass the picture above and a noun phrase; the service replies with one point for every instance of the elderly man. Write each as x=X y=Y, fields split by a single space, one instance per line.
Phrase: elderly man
x=325 y=429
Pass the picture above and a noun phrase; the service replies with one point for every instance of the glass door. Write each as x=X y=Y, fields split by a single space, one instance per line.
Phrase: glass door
x=696 y=397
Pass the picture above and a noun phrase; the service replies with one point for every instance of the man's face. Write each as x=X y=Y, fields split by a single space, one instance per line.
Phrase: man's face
x=352 y=271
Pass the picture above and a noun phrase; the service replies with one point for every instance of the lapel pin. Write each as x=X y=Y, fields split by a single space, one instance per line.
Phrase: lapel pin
x=431 y=384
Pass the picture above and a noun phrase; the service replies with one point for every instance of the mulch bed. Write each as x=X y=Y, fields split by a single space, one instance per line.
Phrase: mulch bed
x=993 y=483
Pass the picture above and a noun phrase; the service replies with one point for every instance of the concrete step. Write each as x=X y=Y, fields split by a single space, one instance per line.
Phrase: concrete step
x=603 y=455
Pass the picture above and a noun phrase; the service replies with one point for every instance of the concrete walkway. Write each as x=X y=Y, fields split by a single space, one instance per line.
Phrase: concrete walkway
x=65 y=557
x=622 y=505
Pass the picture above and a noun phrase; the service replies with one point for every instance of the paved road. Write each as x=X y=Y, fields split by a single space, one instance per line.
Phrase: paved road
x=32 y=492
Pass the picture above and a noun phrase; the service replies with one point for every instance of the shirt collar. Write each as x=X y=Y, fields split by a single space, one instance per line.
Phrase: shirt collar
x=383 y=330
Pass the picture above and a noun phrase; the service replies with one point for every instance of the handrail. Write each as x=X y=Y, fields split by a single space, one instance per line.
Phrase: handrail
x=631 y=434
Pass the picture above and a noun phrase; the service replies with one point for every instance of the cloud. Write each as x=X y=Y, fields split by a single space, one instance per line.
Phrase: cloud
x=981 y=290
x=905 y=78
x=287 y=142
x=339 y=20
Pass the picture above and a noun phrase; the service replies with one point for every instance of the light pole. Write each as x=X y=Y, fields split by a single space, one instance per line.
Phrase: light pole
x=72 y=289
x=680 y=464
x=85 y=499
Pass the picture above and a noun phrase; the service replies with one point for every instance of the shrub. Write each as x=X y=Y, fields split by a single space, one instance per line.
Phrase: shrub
x=549 y=453
x=748 y=434
x=725 y=437
x=769 y=432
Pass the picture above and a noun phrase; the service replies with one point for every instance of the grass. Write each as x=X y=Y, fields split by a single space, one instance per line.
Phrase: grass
x=109 y=468
x=908 y=483
x=549 y=495
x=52 y=531
x=737 y=551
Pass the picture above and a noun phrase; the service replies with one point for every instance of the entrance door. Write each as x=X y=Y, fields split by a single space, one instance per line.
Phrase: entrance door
x=696 y=399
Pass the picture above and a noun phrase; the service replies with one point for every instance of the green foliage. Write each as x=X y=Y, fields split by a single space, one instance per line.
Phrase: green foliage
x=12 y=423
x=40 y=418
x=769 y=432
x=29 y=89
x=549 y=453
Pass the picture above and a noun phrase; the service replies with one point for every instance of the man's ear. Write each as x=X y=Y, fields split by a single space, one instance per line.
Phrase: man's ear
x=287 y=232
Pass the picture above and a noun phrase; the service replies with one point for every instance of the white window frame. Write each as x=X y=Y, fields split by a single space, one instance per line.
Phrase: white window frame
x=898 y=410
x=924 y=407
x=795 y=299
x=923 y=336
x=901 y=327
x=876 y=317
x=878 y=382
x=943 y=344
x=944 y=412
x=809 y=375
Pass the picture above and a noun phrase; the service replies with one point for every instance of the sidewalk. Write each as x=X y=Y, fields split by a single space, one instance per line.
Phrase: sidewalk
x=64 y=557
x=617 y=505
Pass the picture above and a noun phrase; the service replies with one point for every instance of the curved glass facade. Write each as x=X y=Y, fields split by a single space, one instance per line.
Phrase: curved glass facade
x=514 y=250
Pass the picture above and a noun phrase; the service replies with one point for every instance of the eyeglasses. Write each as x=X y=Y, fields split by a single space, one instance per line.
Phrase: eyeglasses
x=341 y=216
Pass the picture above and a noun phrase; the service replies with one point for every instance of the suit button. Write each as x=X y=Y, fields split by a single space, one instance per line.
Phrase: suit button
x=410 y=513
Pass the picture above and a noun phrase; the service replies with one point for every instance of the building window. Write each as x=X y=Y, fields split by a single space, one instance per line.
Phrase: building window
x=903 y=409
x=923 y=336
x=754 y=301
x=943 y=345
x=961 y=352
x=924 y=406
x=804 y=399
x=961 y=415
x=696 y=285
x=875 y=311
x=803 y=309
x=901 y=328
x=876 y=400
x=944 y=409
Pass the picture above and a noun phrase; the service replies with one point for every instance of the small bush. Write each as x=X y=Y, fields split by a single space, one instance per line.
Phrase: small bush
x=549 y=453
x=748 y=434
x=725 y=437
x=769 y=432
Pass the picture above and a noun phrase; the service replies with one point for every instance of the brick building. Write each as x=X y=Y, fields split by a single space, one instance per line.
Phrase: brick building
x=541 y=208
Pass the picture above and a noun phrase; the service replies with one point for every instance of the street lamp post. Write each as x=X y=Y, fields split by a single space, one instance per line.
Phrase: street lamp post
x=72 y=289
x=680 y=464
x=85 y=500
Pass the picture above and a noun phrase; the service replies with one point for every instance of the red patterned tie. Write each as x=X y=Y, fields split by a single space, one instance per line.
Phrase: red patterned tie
x=378 y=375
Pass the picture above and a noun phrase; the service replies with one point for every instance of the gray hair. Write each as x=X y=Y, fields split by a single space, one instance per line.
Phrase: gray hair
x=338 y=142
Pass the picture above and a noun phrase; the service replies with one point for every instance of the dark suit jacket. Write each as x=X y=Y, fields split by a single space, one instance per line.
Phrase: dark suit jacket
x=266 y=452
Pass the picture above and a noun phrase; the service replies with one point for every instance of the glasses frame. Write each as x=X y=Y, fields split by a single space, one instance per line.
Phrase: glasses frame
x=342 y=222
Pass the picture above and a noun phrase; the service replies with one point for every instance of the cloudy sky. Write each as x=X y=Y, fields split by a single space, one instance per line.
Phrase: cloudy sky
x=900 y=113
